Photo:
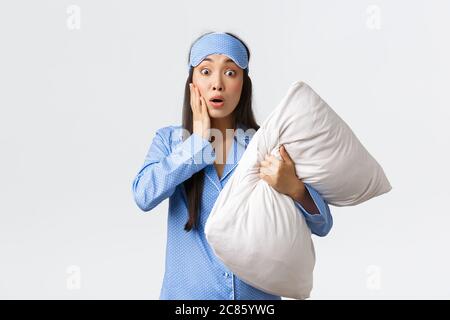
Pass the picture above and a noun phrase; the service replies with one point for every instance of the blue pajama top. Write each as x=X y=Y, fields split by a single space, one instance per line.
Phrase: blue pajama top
x=192 y=271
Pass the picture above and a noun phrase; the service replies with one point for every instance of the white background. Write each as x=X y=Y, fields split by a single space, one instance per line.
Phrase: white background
x=84 y=88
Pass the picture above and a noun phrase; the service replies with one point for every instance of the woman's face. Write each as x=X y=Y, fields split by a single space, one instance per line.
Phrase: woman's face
x=218 y=75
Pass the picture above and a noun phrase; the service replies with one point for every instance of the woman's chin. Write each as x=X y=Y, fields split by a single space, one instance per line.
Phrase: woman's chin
x=217 y=114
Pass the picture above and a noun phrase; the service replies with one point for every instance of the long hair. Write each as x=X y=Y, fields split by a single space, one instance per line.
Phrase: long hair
x=243 y=114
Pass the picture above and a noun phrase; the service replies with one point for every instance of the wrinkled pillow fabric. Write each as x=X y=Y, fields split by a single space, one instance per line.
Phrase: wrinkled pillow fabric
x=257 y=232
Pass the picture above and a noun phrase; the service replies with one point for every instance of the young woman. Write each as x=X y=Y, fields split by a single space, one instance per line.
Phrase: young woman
x=191 y=170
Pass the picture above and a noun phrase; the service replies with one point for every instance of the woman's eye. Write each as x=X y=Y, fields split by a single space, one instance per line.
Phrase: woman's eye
x=228 y=72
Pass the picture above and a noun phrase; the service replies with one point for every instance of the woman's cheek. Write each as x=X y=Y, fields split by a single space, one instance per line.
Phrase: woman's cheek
x=236 y=86
x=236 y=90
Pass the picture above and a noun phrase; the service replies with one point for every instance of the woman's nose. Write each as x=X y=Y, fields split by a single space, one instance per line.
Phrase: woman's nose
x=217 y=84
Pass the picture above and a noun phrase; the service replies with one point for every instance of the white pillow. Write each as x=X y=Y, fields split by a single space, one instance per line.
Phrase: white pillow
x=327 y=153
x=257 y=232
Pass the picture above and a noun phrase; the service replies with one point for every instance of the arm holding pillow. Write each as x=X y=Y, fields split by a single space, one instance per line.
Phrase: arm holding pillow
x=281 y=175
x=319 y=219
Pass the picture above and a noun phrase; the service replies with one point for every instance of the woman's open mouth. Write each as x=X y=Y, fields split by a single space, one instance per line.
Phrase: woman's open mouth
x=217 y=103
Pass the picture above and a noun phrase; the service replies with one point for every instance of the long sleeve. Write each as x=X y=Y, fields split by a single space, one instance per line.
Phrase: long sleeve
x=163 y=170
x=320 y=224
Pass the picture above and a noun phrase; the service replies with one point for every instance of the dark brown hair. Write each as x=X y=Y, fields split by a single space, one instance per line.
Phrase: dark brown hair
x=242 y=114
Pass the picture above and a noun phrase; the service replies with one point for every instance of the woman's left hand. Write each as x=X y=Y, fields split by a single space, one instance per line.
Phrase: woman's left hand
x=281 y=175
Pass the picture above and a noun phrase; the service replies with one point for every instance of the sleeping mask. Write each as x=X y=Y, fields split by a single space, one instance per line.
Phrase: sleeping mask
x=219 y=43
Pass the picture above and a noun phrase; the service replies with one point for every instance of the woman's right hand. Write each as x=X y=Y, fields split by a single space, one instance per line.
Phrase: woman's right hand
x=201 y=120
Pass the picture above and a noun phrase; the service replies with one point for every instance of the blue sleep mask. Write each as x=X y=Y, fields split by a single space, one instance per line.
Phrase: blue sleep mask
x=219 y=43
